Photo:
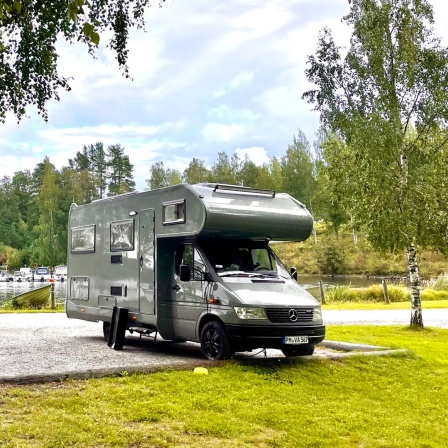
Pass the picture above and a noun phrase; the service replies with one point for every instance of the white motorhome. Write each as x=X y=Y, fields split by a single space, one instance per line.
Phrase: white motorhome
x=60 y=273
x=193 y=262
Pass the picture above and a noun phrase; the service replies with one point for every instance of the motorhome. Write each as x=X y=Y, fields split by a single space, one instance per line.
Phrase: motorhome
x=29 y=274
x=194 y=263
x=60 y=273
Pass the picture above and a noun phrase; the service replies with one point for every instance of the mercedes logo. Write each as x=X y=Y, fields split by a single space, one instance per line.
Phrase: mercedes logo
x=293 y=316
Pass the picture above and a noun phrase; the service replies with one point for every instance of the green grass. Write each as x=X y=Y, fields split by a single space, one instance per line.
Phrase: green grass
x=433 y=304
x=393 y=401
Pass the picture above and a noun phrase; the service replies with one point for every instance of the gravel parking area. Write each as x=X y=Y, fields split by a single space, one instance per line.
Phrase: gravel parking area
x=43 y=347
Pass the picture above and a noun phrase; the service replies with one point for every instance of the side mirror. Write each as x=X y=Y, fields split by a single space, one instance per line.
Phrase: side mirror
x=294 y=273
x=185 y=273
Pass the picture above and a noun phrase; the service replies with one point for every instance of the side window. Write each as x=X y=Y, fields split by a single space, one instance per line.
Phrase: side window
x=122 y=235
x=187 y=254
x=82 y=239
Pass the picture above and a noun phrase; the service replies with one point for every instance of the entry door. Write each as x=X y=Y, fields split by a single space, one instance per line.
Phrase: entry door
x=146 y=261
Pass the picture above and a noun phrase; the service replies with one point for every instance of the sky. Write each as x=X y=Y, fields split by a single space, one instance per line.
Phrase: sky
x=207 y=77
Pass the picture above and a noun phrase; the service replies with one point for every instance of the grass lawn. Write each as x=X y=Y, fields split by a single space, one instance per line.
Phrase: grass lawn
x=393 y=401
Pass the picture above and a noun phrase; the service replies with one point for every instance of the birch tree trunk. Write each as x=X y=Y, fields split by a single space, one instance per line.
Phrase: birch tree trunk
x=414 y=279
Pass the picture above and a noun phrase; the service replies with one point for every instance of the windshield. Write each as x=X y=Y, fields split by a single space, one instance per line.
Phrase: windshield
x=246 y=258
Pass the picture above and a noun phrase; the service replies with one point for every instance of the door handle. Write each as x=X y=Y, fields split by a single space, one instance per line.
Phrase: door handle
x=176 y=288
x=141 y=261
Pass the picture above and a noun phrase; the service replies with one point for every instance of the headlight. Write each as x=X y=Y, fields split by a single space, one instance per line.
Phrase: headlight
x=250 y=313
x=317 y=314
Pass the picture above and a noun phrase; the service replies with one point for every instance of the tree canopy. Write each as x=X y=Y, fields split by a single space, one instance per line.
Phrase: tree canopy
x=29 y=31
x=386 y=99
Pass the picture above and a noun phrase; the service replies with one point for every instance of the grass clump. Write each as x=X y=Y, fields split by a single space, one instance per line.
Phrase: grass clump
x=351 y=402
x=375 y=294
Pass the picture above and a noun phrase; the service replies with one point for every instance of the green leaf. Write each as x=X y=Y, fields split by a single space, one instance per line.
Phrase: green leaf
x=95 y=38
x=88 y=29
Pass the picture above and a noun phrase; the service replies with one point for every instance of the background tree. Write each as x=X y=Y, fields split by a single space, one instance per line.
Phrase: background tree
x=30 y=30
x=48 y=246
x=196 y=172
x=226 y=170
x=121 y=179
x=393 y=77
x=297 y=170
x=249 y=173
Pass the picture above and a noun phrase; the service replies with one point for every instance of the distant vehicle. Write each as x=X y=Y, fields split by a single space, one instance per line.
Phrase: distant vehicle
x=4 y=276
x=60 y=273
x=42 y=274
x=20 y=276
x=28 y=273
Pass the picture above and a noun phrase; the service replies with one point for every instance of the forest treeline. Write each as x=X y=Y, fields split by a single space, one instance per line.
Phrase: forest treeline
x=34 y=204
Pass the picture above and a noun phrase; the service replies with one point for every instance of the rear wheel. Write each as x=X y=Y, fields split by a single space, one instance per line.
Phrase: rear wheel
x=215 y=342
x=106 y=330
x=298 y=350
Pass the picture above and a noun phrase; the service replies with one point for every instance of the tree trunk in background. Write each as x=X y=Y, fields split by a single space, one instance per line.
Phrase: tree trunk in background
x=416 y=304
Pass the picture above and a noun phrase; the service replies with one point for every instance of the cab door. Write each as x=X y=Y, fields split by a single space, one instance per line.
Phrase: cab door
x=146 y=261
x=188 y=298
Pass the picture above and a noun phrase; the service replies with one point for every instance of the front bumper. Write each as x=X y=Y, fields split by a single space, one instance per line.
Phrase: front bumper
x=263 y=336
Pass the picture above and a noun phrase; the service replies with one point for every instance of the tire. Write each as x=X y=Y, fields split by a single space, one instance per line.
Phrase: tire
x=106 y=330
x=215 y=342
x=301 y=350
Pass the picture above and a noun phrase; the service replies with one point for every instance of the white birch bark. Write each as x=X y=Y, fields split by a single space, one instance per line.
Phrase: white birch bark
x=414 y=279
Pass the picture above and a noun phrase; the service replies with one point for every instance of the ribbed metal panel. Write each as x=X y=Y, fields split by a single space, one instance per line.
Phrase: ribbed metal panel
x=283 y=315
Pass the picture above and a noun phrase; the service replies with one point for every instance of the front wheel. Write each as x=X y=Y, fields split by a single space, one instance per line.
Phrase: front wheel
x=215 y=342
x=300 y=350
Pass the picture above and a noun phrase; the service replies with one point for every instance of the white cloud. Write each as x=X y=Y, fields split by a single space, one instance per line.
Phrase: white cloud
x=219 y=132
x=256 y=154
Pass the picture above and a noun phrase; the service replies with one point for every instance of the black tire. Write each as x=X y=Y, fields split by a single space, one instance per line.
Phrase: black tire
x=106 y=330
x=215 y=342
x=301 y=350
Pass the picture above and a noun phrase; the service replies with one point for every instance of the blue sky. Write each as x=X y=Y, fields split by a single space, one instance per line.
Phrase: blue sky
x=207 y=77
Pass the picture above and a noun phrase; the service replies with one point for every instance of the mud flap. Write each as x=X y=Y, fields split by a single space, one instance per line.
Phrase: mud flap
x=118 y=328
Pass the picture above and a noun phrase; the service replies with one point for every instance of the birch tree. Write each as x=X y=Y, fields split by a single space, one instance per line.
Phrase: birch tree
x=386 y=97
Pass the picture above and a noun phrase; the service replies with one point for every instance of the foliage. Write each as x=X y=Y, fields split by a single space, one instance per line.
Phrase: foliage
x=29 y=31
x=438 y=283
x=119 y=171
x=393 y=77
x=374 y=294
x=356 y=401
x=330 y=259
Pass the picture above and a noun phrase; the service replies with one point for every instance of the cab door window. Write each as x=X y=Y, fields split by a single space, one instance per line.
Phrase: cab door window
x=187 y=254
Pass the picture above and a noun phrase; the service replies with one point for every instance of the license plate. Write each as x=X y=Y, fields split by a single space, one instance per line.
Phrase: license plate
x=295 y=340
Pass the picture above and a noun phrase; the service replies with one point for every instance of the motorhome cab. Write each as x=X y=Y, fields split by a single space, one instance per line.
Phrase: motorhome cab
x=193 y=262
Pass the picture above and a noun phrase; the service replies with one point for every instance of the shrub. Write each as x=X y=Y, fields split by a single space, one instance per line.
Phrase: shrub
x=331 y=259
x=438 y=283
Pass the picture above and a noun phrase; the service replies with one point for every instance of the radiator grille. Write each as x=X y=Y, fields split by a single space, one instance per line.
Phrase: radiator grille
x=291 y=315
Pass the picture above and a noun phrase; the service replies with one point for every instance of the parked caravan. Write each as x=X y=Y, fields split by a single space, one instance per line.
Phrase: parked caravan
x=60 y=273
x=29 y=274
x=193 y=262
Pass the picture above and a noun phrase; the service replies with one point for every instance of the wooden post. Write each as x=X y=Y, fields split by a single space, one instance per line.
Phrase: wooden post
x=53 y=304
x=322 y=292
x=385 y=293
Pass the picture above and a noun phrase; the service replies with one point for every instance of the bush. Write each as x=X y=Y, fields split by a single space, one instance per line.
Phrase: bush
x=331 y=259
x=374 y=294
x=438 y=283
